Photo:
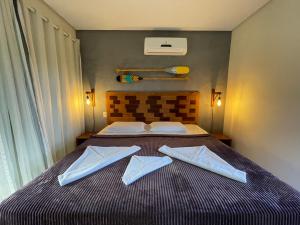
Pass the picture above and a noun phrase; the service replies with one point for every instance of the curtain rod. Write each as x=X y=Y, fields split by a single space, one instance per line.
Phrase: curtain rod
x=56 y=27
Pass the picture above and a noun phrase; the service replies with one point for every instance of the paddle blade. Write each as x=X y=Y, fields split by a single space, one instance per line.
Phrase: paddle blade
x=128 y=79
x=178 y=70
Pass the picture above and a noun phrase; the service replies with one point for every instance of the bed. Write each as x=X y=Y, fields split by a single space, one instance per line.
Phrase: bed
x=178 y=194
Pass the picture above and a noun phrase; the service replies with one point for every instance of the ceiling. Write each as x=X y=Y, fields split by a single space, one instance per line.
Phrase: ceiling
x=214 y=15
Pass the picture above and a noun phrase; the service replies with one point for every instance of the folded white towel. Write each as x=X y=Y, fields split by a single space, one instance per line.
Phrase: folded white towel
x=201 y=156
x=139 y=166
x=94 y=158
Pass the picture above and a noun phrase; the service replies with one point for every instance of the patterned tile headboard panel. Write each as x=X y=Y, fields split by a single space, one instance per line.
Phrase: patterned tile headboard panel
x=153 y=106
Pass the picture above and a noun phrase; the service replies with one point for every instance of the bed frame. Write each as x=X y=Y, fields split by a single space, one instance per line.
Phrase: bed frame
x=181 y=106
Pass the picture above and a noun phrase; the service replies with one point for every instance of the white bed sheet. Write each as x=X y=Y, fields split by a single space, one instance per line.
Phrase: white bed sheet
x=191 y=129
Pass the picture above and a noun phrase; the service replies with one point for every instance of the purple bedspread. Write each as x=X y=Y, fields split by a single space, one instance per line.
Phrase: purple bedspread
x=178 y=194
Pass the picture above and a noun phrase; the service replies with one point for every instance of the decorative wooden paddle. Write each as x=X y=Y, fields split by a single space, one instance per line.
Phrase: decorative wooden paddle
x=171 y=70
x=129 y=79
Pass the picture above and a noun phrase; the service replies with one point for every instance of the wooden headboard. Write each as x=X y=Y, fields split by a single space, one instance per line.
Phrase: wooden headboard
x=181 y=106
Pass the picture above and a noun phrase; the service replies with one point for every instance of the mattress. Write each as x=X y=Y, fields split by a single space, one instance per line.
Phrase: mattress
x=178 y=194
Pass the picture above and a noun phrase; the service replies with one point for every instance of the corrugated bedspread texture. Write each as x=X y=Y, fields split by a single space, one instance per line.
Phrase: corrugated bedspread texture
x=178 y=194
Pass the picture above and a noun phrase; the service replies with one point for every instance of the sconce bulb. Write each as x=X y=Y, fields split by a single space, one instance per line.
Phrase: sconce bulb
x=88 y=101
x=219 y=102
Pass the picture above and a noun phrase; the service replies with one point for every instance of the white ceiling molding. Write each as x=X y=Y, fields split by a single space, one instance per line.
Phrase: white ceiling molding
x=191 y=15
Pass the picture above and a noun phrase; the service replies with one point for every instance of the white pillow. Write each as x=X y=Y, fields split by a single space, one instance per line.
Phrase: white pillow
x=168 y=127
x=125 y=127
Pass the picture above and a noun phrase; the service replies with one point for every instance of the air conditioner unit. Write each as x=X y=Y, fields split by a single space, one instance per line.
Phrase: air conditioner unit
x=165 y=46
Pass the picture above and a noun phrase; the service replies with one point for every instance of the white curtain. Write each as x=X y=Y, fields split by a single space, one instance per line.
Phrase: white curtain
x=57 y=80
x=24 y=153
x=41 y=95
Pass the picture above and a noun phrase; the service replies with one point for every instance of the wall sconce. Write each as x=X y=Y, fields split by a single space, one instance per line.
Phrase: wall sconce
x=90 y=100
x=215 y=95
x=90 y=97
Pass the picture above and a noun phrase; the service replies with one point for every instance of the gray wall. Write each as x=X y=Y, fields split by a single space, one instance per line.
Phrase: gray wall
x=262 y=114
x=104 y=51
